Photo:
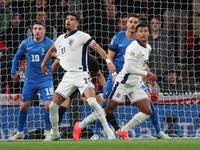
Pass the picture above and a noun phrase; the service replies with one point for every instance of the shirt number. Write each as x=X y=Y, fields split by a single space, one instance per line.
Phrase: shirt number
x=35 y=58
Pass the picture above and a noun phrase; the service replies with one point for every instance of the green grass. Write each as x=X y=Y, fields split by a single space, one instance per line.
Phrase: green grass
x=135 y=144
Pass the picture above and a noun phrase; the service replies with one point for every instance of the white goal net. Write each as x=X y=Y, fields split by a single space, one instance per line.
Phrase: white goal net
x=175 y=40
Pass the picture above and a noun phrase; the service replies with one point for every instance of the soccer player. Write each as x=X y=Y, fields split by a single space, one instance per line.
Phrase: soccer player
x=35 y=48
x=128 y=81
x=116 y=52
x=93 y=66
x=72 y=51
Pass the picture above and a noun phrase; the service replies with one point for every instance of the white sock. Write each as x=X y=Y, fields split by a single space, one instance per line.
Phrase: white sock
x=136 y=120
x=91 y=118
x=53 y=107
x=98 y=112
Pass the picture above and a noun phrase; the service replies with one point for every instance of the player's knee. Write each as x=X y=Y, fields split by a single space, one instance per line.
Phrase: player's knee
x=47 y=108
x=148 y=112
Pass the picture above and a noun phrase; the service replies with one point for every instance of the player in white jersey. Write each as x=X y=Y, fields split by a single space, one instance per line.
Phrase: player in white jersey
x=128 y=81
x=71 y=49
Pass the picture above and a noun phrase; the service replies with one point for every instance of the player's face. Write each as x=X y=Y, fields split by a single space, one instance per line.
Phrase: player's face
x=155 y=24
x=71 y=23
x=132 y=23
x=23 y=65
x=172 y=76
x=122 y=24
x=143 y=34
x=38 y=31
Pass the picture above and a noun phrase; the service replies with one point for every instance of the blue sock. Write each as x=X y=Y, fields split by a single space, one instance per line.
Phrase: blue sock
x=154 y=117
x=47 y=121
x=98 y=123
x=21 y=120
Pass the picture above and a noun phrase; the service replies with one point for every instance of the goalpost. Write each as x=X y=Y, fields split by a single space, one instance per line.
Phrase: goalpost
x=179 y=112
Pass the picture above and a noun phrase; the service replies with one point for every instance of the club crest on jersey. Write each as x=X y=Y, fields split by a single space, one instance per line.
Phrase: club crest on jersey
x=118 y=95
x=42 y=51
x=71 y=41
x=132 y=54
x=111 y=42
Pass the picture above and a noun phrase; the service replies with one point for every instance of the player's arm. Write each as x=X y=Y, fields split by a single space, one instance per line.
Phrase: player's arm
x=55 y=65
x=102 y=53
x=15 y=63
x=101 y=78
x=46 y=58
x=131 y=63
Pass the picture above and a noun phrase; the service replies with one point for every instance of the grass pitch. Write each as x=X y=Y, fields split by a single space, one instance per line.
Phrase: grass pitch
x=135 y=144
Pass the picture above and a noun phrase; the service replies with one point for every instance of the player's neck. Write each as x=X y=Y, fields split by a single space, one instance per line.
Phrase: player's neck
x=38 y=40
x=69 y=31
x=131 y=36
x=144 y=43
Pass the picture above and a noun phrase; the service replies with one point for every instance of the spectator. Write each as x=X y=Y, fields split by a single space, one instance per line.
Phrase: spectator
x=61 y=12
x=176 y=14
x=32 y=12
x=18 y=86
x=5 y=66
x=5 y=15
x=14 y=35
x=122 y=23
x=162 y=53
x=196 y=33
x=50 y=30
x=173 y=82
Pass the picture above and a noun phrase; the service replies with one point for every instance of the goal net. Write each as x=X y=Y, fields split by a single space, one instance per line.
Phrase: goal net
x=174 y=38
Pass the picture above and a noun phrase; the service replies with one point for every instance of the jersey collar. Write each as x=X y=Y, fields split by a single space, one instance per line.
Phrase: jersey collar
x=140 y=42
x=73 y=32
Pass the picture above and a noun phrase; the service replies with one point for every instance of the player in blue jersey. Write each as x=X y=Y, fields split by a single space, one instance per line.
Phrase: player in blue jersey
x=35 y=48
x=117 y=48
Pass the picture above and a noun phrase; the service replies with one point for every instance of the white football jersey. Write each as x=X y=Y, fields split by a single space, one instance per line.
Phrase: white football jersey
x=72 y=51
x=134 y=52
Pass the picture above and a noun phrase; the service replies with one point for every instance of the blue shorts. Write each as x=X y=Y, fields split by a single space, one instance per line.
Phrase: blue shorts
x=107 y=88
x=31 y=88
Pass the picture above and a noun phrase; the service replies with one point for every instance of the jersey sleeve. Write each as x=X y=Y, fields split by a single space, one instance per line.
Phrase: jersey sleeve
x=86 y=38
x=114 y=44
x=20 y=51
x=132 y=52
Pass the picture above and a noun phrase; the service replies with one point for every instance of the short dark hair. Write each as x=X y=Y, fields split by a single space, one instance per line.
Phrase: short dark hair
x=40 y=23
x=134 y=15
x=140 y=25
x=154 y=16
x=75 y=15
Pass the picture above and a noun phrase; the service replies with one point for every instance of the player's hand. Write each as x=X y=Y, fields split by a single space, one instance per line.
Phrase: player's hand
x=111 y=67
x=53 y=54
x=152 y=76
x=44 y=69
x=14 y=78
x=113 y=79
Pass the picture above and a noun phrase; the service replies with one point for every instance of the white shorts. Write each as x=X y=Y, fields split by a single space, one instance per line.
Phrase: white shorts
x=73 y=80
x=134 y=92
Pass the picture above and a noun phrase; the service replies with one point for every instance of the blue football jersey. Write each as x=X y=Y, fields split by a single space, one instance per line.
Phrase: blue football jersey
x=35 y=52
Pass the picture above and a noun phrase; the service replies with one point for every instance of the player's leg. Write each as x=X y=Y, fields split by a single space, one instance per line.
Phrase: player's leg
x=89 y=94
x=62 y=109
x=154 y=119
x=63 y=91
x=46 y=90
x=28 y=94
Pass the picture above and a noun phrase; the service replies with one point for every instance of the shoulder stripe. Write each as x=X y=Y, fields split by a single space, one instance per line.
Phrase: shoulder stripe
x=112 y=49
x=88 y=42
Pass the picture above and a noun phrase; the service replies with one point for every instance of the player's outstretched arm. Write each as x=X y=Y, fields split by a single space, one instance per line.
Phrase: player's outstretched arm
x=102 y=53
x=46 y=58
